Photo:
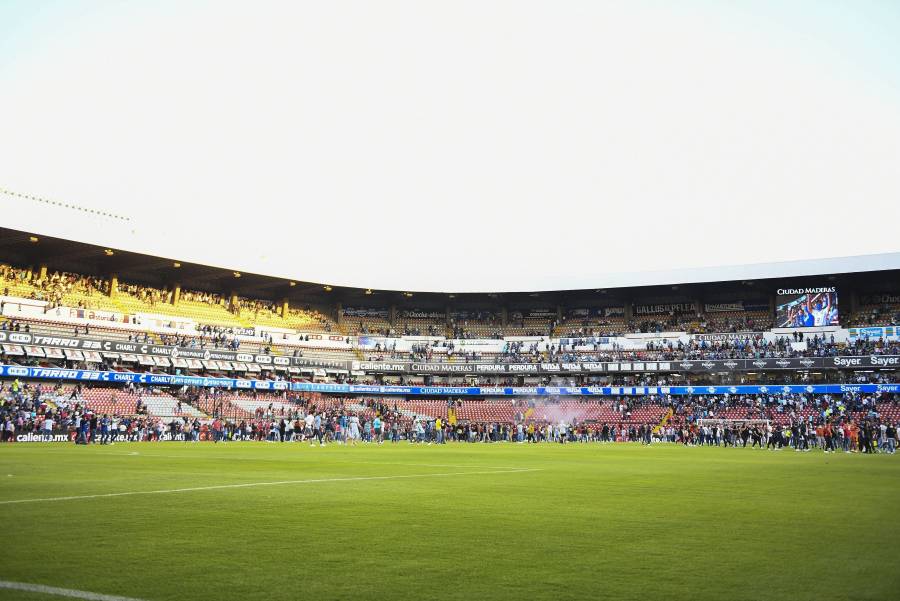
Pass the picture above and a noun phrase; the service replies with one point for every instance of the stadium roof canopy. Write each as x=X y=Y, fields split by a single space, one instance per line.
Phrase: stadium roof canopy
x=460 y=147
x=421 y=269
x=27 y=249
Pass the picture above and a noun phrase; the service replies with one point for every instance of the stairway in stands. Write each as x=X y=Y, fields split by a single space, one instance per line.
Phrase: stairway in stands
x=167 y=407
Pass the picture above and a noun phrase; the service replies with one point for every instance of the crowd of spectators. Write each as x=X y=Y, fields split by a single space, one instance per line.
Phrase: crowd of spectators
x=216 y=337
x=751 y=347
x=673 y=323
x=46 y=410
x=571 y=350
x=146 y=294
x=849 y=422
x=15 y=325
x=733 y=322
x=54 y=288
x=475 y=324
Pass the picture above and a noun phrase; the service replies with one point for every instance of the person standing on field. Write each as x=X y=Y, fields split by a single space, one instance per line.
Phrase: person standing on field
x=376 y=424
x=354 y=429
x=47 y=428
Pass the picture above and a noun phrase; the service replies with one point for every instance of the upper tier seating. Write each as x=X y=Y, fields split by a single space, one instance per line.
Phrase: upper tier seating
x=206 y=308
x=594 y=326
x=737 y=321
x=366 y=325
x=66 y=289
x=876 y=314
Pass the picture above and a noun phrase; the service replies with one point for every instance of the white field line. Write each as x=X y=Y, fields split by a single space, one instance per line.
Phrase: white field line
x=254 y=484
x=61 y=592
x=498 y=467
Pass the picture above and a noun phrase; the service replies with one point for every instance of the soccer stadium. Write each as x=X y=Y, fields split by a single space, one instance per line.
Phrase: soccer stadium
x=458 y=301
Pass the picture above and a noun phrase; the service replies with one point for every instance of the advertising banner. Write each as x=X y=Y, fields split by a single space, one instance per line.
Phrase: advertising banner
x=230 y=383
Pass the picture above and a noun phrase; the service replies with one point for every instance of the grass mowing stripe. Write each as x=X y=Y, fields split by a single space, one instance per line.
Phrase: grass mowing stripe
x=189 y=457
x=253 y=484
x=247 y=458
x=62 y=592
x=304 y=459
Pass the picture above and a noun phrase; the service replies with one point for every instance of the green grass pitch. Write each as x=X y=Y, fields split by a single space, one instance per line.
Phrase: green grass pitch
x=460 y=521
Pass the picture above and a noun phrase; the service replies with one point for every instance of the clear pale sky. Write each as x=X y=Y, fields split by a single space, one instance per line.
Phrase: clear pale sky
x=465 y=145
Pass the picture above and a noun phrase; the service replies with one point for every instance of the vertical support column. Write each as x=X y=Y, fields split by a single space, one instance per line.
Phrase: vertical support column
x=503 y=316
x=113 y=285
x=339 y=313
x=233 y=302
x=393 y=314
x=176 y=294
x=43 y=272
x=285 y=308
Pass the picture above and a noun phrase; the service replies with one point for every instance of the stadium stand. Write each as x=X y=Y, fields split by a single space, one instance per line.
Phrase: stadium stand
x=471 y=324
x=736 y=321
x=877 y=310
x=605 y=321
x=417 y=322
x=66 y=306
x=206 y=308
